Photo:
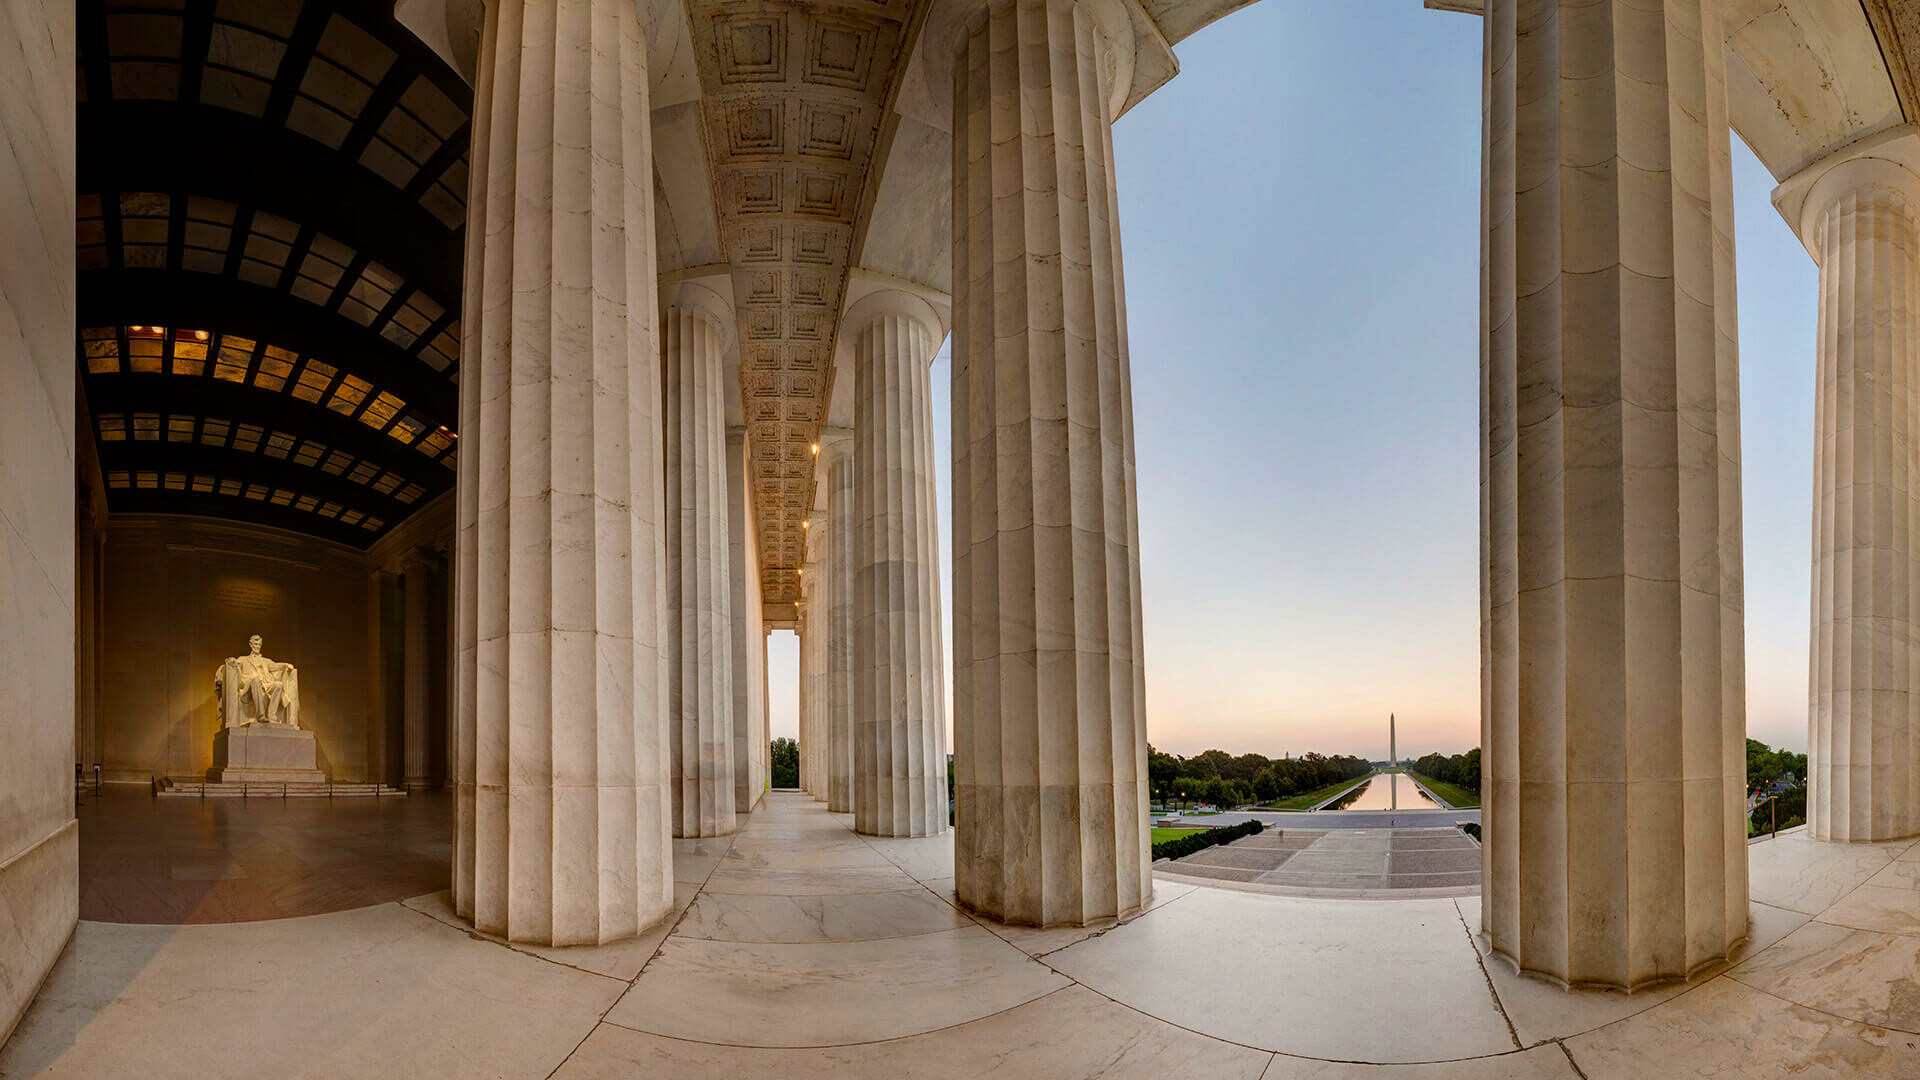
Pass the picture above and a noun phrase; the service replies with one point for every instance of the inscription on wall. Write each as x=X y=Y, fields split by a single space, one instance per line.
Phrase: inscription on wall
x=245 y=596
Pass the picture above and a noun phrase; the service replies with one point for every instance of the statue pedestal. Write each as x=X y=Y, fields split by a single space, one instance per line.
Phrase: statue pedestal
x=265 y=753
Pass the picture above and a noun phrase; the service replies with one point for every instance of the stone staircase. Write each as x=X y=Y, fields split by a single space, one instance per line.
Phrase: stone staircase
x=193 y=788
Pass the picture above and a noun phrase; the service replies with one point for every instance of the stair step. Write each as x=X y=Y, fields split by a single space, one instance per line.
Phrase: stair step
x=198 y=789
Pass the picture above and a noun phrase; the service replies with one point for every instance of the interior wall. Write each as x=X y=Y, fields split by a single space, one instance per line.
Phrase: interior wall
x=182 y=595
x=39 y=839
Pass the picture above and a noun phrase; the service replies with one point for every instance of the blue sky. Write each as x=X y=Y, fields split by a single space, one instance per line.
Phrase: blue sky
x=1302 y=268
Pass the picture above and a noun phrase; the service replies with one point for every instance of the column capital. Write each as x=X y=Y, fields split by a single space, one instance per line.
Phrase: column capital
x=708 y=294
x=835 y=444
x=870 y=297
x=1143 y=59
x=1889 y=159
x=418 y=558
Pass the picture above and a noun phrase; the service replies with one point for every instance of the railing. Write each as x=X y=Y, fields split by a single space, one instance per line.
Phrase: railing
x=1772 y=803
x=80 y=781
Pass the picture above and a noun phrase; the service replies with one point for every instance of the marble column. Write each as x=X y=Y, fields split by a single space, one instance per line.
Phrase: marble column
x=805 y=630
x=386 y=677
x=899 y=695
x=837 y=542
x=1612 y=685
x=819 y=592
x=39 y=837
x=748 y=634
x=695 y=337
x=562 y=833
x=416 y=750
x=1049 y=710
x=1860 y=220
x=800 y=699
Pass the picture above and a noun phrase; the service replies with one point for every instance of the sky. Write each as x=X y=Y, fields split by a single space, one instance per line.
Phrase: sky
x=1301 y=245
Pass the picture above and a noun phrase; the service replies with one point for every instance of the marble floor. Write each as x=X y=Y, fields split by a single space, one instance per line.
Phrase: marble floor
x=799 y=949
x=180 y=860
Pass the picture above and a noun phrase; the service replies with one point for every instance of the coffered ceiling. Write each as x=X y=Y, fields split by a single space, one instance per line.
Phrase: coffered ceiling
x=793 y=98
x=271 y=213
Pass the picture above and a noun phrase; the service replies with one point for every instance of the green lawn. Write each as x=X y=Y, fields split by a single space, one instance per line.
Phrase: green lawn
x=1315 y=798
x=1460 y=797
x=1161 y=836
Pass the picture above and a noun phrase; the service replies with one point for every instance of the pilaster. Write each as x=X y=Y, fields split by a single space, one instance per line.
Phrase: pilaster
x=416 y=747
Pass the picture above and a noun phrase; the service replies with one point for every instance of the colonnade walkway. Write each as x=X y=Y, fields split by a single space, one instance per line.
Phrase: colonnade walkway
x=800 y=949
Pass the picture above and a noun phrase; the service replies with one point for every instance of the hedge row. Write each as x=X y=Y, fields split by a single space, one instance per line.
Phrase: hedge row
x=1182 y=846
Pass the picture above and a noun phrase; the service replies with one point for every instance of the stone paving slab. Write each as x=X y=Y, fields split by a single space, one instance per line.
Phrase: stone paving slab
x=1429 y=881
x=1234 y=855
x=1330 y=862
x=1435 y=862
x=1278 y=841
x=1296 y=879
x=1422 y=839
x=1222 y=873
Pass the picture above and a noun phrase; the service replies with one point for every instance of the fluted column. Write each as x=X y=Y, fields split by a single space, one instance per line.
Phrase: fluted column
x=1050 y=725
x=1860 y=220
x=1612 y=678
x=819 y=592
x=748 y=636
x=803 y=631
x=812 y=629
x=561 y=825
x=837 y=543
x=695 y=333
x=899 y=695
x=416 y=749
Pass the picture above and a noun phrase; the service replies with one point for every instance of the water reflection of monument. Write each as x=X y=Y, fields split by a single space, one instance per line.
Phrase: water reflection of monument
x=260 y=738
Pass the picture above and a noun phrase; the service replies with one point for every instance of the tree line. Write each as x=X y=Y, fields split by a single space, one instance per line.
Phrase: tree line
x=1781 y=773
x=1460 y=770
x=784 y=763
x=1223 y=779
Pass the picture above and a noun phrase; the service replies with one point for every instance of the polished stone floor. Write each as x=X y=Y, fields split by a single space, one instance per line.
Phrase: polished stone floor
x=802 y=950
x=182 y=860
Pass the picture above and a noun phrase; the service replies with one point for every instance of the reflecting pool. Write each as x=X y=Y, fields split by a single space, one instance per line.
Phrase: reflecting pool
x=1379 y=794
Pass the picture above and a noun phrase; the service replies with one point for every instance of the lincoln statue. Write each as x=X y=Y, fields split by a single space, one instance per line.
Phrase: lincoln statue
x=254 y=689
